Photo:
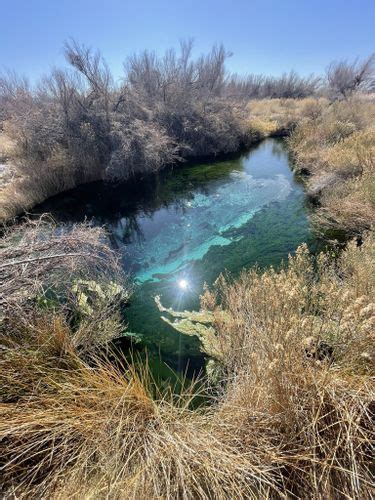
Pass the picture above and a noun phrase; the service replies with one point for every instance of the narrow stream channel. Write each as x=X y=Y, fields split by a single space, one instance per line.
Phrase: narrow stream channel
x=182 y=228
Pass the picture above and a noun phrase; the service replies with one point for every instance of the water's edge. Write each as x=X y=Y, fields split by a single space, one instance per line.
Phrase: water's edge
x=182 y=228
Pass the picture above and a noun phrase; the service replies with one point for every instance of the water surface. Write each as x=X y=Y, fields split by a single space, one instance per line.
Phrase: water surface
x=182 y=228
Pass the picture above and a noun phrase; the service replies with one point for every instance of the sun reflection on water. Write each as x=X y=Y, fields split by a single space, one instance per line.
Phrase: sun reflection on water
x=183 y=284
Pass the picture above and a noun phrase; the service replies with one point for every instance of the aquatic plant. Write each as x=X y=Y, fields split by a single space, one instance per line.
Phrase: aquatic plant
x=196 y=324
x=90 y=295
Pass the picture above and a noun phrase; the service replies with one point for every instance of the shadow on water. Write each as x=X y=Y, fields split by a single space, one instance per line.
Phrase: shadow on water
x=184 y=226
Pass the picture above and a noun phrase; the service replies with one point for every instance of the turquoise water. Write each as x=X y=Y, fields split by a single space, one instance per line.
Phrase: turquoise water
x=184 y=227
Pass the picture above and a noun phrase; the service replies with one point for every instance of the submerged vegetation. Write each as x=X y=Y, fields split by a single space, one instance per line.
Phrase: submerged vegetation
x=285 y=408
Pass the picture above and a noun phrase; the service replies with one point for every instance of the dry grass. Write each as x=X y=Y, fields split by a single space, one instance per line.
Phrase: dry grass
x=279 y=116
x=289 y=421
x=298 y=349
x=33 y=181
x=6 y=147
x=70 y=429
x=337 y=147
x=308 y=299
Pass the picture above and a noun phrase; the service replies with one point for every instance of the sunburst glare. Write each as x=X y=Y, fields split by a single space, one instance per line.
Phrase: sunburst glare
x=183 y=284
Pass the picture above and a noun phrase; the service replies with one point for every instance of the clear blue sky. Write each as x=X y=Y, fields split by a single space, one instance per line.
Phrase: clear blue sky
x=265 y=36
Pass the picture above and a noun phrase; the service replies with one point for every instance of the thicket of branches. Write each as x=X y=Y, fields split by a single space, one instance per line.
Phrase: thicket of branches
x=288 y=85
x=79 y=123
x=341 y=79
x=71 y=271
x=344 y=78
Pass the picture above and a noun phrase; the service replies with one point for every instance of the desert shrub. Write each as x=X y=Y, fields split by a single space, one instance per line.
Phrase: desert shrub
x=294 y=347
x=207 y=129
x=308 y=298
x=345 y=78
x=78 y=125
x=139 y=148
x=300 y=342
x=289 y=86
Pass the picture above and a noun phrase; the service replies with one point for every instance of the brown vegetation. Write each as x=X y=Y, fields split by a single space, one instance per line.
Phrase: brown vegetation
x=283 y=423
x=280 y=116
x=79 y=126
x=43 y=270
x=345 y=78
x=336 y=146
x=288 y=86
x=6 y=147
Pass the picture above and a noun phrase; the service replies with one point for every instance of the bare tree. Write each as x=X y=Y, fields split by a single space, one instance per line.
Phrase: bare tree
x=14 y=94
x=344 y=78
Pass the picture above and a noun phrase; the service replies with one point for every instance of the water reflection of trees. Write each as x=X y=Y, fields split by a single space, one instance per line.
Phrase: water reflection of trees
x=278 y=148
x=121 y=206
x=127 y=230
